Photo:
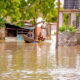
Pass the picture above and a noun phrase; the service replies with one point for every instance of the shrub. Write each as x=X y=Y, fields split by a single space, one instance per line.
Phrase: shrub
x=63 y=28
x=72 y=29
x=54 y=33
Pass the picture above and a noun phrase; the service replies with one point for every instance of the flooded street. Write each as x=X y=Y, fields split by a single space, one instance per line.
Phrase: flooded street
x=38 y=61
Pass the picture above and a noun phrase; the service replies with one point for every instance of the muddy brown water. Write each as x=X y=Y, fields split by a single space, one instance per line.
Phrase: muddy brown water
x=38 y=61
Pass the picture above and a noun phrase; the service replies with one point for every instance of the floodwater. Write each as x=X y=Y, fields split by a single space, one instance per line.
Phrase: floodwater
x=38 y=61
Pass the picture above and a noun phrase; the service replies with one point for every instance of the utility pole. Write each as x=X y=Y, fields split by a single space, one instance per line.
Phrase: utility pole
x=57 y=29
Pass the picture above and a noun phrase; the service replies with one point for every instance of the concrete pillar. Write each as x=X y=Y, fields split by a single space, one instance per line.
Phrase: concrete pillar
x=69 y=19
x=60 y=19
x=2 y=33
x=73 y=18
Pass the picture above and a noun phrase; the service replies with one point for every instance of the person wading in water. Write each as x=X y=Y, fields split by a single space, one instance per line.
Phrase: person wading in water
x=40 y=37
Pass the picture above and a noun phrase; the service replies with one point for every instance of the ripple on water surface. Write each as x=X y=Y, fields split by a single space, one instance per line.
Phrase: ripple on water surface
x=38 y=61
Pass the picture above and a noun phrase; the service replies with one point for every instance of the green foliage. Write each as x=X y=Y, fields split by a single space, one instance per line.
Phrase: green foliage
x=72 y=29
x=21 y=24
x=77 y=17
x=49 y=11
x=32 y=22
x=2 y=22
x=66 y=16
x=54 y=33
x=28 y=9
x=63 y=28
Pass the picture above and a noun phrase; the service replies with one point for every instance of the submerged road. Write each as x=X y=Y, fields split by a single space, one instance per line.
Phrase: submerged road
x=38 y=61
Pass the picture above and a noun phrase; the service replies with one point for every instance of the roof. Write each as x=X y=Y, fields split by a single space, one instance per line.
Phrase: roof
x=12 y=26
x=17 y=27
x=30 y=28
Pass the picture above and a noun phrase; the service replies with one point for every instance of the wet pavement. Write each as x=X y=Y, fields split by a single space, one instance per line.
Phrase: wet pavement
x=38 y=61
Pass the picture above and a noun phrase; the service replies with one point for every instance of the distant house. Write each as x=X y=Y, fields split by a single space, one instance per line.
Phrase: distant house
x=14 y=32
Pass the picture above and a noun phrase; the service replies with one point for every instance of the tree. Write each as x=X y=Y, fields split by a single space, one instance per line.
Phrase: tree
x=48 y=9
x=37 y=7
x=20 y=10
x=12 y=8
x=27 y=9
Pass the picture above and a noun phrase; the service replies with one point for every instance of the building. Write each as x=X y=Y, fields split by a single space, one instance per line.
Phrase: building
x=13 y=33
x=72 y=10
x=71 y=4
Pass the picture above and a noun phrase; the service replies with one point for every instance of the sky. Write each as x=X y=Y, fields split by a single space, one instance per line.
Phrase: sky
x=62 y=1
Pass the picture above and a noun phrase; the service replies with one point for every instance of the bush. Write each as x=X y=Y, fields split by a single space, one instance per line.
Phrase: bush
x=54 y=33
x=72 y=29
x=63 y=28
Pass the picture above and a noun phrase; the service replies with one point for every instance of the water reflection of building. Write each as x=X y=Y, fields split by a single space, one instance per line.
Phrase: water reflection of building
x=14 y=56
x=35 y=56
x=68 y=58
x=30 y=56
x=19 y=59
x=43 y=58
x=3 y=58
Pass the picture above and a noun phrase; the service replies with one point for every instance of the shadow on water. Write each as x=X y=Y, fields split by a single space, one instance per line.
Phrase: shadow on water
x=38 y=61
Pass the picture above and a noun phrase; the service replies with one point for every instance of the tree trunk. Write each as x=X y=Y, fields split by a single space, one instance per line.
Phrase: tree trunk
x=35 y=32
x=2 y=33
